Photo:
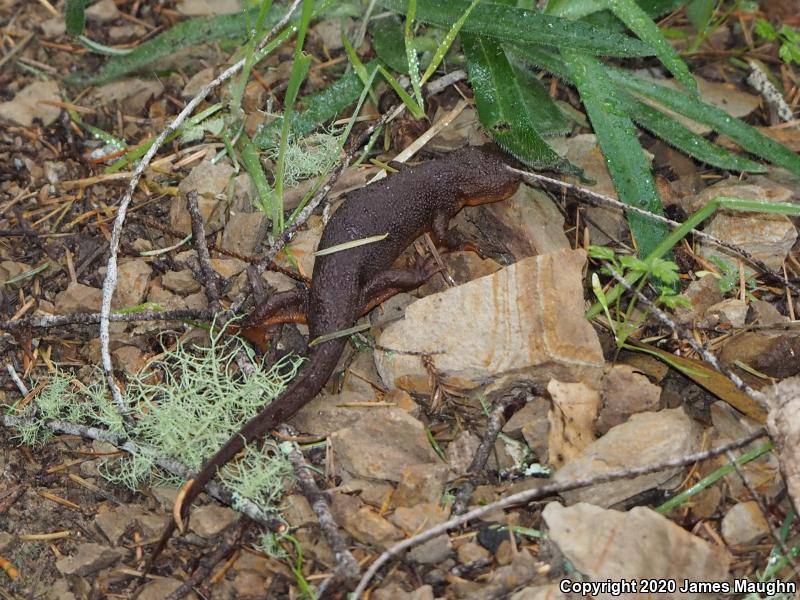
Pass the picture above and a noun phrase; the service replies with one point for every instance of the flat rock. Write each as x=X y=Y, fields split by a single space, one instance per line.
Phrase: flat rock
x=431 y=552
x=102 y=11
x=88 y=559
x=461 y=451
x=209 y=520
x=765 y=313
x=180 y=282
x=744 y=524
x=527 y=224
x=78 y=298
x=114 y=521
x=768 y=237
x=132 y=94
x=381 y=444
x=636 y=544
x=203 y=8
x=731 y=311
x=244 y=232
x=28 y=104
x=162 y=587
x=702 y=294
x=210 y=181
x=606 y=225
x=625 y=392
x=413 y=519
x=369 y=527
x=325 y=415
x=571 y=419
x=421 y=483
x=133 y=276
x=525 y=321
x=644 y=439
x=764 y=351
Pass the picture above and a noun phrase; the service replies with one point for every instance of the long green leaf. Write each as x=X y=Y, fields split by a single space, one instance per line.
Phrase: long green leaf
x=671 y=131
x=664 y=126
x=511 y=24
x=500 y=104
x=543 y=111
x=642 y=25
x=75 y=16
x=745 y=135
x=317 y=108
x=389 y=45
x=187 y=33
x=616 y=136
x=411 y=54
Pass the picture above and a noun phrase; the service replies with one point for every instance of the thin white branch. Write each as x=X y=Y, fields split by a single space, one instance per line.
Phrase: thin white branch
x=547 y=490
x=23 y=389
x=110 y=282
x=243 y=505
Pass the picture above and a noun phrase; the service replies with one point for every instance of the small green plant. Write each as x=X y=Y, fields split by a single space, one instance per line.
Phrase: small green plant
x=789 y=40
x=728 y=277
x=660 y=273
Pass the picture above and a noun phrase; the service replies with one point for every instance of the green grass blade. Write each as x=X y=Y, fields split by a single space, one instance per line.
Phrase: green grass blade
x=672 y=132
x=75 y=16
x=448 y=40
x=187 y=33
x=500 y=104
x=745 y=135
x=713 y=477
x=388 y=43
x=510 y=24
x=317 y=109
x=238 y=87
x=414 y=108
x=643 y=26
x=300 y=67
x=411 y=54
x=549 y=118
x=254 y=168
x=616 y=136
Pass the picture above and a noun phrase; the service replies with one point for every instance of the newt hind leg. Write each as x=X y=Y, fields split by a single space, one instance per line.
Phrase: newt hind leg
x=394 y=281
x=284 y=307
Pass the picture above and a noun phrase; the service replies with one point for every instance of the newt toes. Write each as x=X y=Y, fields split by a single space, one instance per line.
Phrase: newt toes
x=344 y=284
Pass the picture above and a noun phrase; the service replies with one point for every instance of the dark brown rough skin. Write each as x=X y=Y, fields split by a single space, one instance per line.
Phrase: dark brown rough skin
x=345 y=284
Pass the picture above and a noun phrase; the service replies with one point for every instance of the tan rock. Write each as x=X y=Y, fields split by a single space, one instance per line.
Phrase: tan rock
x=525 y=321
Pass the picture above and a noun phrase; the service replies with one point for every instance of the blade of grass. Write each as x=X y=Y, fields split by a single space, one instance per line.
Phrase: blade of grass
x=713 y=477
x=252 y=164
x=186 y=33
x=237 y=89
x=510 y=24
x=317 y=109
x=298 y=74
x=447 y=41
x=643 y=26
x=358 y=66
x=745 y=135
x=500 y=106
x=411 y=54
x=625 y=158
x=671 y=131
x=411 y=104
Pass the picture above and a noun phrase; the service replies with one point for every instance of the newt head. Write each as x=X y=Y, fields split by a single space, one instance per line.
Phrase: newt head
x=483 y=176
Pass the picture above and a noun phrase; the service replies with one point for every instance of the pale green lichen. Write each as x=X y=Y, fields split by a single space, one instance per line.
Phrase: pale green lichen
x=184 y=407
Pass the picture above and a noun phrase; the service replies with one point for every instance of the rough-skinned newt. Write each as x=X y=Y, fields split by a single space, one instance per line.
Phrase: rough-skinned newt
x=346 y=284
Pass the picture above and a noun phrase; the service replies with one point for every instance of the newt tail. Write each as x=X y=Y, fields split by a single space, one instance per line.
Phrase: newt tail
x=347 y=283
